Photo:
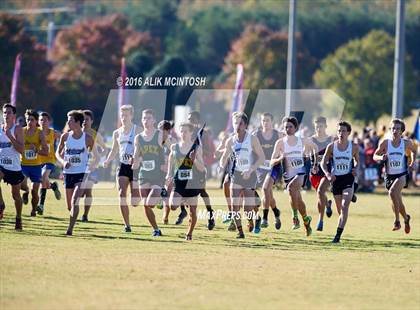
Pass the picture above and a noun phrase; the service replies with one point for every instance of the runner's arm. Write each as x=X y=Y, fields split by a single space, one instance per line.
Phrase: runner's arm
x=277 y=156
x=226 y=153
x=326 y=159
x=114 y=149
x=380 y=151
x=44 y=147
x=413 y=152
x=137 y=153
x=256 y=146
x=17 y=140
x=59 y=154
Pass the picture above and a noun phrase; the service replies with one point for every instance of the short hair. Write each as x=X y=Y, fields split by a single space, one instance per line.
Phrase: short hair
x=31 y=112
x=165 y=125
x=321 y=120
x=242 y=116
x=9 y=105
x=188 y=125
x=290 y=119
x=127 y=107
x=88 y=113
x=45 y=114
x=77 y=115
x=344 y=124
x=195 y=115
x=266 y=114
x=149 y=111
x=398 y=121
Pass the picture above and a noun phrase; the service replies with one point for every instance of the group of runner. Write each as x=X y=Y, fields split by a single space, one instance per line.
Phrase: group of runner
x=161 y=171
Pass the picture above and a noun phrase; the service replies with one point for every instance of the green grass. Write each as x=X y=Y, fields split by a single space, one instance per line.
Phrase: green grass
x=102 y=267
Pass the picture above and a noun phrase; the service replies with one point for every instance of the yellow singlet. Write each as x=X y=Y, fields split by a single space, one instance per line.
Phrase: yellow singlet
x=49 y=140
x=30 y=157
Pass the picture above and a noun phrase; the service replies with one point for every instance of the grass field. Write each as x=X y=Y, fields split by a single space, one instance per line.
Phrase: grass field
x=102 y=267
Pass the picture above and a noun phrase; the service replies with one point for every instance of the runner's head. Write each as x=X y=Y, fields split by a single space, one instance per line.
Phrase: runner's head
x=194 y=118
x=267 y=121
x=166 y=127
x=397 y=127
x=320 y=124
x=31 y=118
x=343 y=130
x=239 y=121
x=148 y=119
x=126 y=114
x=88 y=119
x=75 y=120
x=186 y=130
x=44 y=120
x=9 y=113
x=290 y=125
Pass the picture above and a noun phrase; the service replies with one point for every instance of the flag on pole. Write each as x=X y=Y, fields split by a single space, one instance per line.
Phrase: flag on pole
x=417 y=128
x=237 y=102
x=15 y=80
x=121 y=90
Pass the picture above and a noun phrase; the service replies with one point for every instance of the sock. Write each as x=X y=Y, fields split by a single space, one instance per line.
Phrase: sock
x=183 y=210
x=339 y=232
x=53 y=186
x=295 y=212
x=210 y=211
x=276 y=212
x=305 y=219
x=43 y=195
x=265 y=214
x=240 y=229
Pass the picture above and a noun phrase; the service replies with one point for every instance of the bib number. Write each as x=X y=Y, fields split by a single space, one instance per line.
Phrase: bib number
x=5 y=161
x=75 y=161
x=148 y=165
x=30 y=155
x=126 y=157
x=342 y=167
x=242 y=164
x=185 y=174
x=296 y=163
x=395 y=164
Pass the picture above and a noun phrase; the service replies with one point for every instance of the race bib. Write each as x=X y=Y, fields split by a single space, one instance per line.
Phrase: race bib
x=75 y=161
x=296 y=163
x=30 y=154
x=343 y=167
x=242 y=164
x=5 y=161
x=266 y=165
x=395 y=164
x=148 y=165
x=185 y=174
x=126 y=157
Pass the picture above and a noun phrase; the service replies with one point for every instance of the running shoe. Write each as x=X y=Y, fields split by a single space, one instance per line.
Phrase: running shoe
x=320 y=226
x=211 y=224
x=336 y=239
x=240 y=235
x=157 y=233
x=2 y=211
x=188 y=237
x=407 y=225
x=232 y=226
x=257 y=228
x=354 y=198
x=69 y=232
x=226 y=220
x=85 y=218
x=25 y=198
x=40 y=209
x=328 y=210
x=264 y=224
x=397 y=226
x=277 y=223
x=308 y=226
x=127 y=229
x=296 y=224
x=181 y=217
x=250 y=225
x=18 y=224
x=56 y=190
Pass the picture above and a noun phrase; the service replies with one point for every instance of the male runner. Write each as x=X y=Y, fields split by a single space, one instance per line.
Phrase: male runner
x=73 y=153
x=35 y=146
x=393 y=151
x=48 y=161
x=290 y=151
x=123 y=144
x=11 y=148
x=149 y=157
x=243 y=145
x=345 y=158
